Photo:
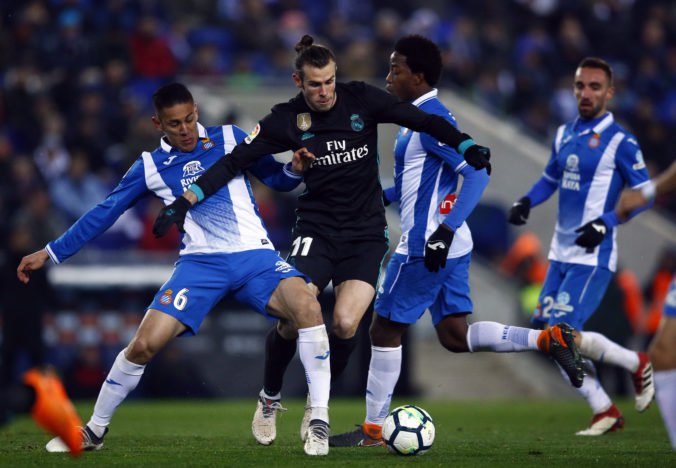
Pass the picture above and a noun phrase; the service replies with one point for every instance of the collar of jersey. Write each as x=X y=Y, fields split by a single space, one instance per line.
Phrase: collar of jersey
x=201 y=133
x=604 y=122
x=425 y=97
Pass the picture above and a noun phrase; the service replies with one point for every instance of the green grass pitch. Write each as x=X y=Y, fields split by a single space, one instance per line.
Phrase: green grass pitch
x=218 y=433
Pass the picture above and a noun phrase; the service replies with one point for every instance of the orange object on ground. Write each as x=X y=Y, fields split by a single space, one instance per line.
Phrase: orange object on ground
x=53 y=410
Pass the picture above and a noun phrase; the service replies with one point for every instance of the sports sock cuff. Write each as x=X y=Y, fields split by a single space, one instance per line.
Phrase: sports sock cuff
x=127 y=366
x=381 y=349
x=312 y=334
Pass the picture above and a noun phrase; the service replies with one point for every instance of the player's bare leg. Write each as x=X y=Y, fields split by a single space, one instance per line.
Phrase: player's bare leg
x=353 y=298
x=155 y=331
x=294 y=301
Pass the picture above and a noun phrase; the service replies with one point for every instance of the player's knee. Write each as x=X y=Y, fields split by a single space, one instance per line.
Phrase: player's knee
x=140 y=351
x=308 y=312
x=344 y=327
x=383 y=337
x=454 y=343
x=661 y=357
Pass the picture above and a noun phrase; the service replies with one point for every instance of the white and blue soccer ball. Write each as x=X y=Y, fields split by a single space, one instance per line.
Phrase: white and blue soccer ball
x=408 y=430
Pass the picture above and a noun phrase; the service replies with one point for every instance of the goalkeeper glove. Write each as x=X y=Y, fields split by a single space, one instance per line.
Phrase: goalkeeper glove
x=173 y=213
x=592 y=234
x=436 y=247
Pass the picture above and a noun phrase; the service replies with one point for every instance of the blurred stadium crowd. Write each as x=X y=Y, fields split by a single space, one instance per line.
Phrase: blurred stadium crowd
x=76 y=78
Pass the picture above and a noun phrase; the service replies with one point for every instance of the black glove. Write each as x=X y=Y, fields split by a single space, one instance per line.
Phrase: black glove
x=172 y=213
x=436 y=247
x=518 y=213
x=592 y=234
x=477 y=156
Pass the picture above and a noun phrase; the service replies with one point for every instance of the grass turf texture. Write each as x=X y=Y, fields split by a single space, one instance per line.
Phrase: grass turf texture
x=491 y=434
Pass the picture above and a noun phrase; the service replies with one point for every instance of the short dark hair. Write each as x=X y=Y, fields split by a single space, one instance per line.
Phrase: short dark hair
x=595 y=62
x=308 y=53
x=422 y=56
x=170 y=95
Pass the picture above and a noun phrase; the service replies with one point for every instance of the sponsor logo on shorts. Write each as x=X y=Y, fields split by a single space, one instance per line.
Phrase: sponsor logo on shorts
x=166 y=297
x=283 y=267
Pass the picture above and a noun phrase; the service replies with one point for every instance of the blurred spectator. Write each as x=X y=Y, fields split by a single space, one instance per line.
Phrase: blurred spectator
x=79 y=190
x=150 y=53
x=22 y=306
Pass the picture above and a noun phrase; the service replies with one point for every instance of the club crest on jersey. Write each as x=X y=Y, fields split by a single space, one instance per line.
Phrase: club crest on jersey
x=594 y=141
x=356 y=123
x=254 y=133
x=192 y=168
x=304 y=121
x=166 y=297
x=207 y=144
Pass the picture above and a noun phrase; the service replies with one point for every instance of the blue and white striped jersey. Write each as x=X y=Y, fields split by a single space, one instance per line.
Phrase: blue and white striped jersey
x=225 y=223
x=426 y=177
x=591 y=161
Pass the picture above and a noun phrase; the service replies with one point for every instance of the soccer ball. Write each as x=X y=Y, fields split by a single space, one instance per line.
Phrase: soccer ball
x=408 y=430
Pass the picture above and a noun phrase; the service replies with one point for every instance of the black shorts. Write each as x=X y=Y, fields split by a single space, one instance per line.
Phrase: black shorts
x=325 y=259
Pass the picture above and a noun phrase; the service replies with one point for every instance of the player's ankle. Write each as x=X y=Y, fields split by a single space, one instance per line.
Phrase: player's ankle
x=544 y=341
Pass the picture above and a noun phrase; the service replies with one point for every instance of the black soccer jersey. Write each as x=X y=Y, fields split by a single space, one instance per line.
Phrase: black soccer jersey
x=343 y=195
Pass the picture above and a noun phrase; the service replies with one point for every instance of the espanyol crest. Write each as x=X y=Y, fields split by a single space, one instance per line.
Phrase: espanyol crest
x=192 y=168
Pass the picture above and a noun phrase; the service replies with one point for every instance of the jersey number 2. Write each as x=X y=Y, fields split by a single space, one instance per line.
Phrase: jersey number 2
x=306 y=241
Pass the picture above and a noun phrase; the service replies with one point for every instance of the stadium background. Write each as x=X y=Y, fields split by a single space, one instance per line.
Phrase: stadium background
x=74 y=114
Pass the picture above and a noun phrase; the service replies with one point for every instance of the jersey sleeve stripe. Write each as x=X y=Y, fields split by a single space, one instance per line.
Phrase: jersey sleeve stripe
x=52 y=255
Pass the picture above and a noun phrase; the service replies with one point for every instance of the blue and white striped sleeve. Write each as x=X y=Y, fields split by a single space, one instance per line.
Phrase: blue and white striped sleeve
x=97 y=220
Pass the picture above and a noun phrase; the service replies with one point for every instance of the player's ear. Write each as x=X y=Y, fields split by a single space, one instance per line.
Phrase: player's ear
x=156 y=122
x=298 y=81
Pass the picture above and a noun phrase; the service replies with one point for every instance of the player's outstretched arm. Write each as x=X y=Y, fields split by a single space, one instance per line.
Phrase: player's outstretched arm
x=631 y=199
x=29 y=263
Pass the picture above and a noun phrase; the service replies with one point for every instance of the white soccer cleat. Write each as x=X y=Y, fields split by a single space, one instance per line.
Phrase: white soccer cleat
x=90 y=442
x=264 y=424
x=305 y=422
x=56 y=445
x=317 y=440
x=609 y=420
x=643 y=383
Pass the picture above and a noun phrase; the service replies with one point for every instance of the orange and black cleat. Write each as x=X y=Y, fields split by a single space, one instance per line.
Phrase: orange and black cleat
x=53 y=410
x=559 y=342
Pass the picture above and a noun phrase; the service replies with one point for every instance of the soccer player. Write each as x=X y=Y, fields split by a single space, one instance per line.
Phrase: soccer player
x=430 y=268
x=224 y=250
x=41 y=394
x=592 y=158
x=340 y=233
x=663 y=347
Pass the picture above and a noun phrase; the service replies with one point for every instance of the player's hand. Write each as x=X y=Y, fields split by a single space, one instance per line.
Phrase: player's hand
x=173 y=213
x=629 y=201
x=436 y=247
x=518 y=213
x=302 y=160
x=592 y=234
x=477 y=156
x=29 y=263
